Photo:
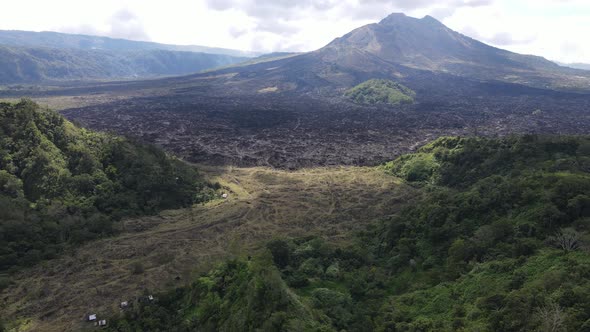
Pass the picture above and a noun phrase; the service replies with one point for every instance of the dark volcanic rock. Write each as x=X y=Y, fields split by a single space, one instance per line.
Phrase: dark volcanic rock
x=291 y=112
x=289 y=132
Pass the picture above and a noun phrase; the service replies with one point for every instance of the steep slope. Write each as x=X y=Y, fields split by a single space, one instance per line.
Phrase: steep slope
x=61 y=185
x=408 y=47
x=428 y=44
x=35 y=65
x=232 y=303
x=422 y=53
x=58 y=40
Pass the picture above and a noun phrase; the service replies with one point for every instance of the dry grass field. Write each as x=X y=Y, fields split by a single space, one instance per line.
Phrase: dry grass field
x=160 y=252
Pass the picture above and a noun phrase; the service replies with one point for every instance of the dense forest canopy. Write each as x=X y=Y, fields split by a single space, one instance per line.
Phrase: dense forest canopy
x=61 y=185
x=498 y=241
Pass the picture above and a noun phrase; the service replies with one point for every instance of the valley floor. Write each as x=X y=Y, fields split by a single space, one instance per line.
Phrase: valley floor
x=170 y=249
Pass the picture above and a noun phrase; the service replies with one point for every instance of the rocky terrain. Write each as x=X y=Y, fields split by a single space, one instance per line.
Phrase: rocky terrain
x=290 y=132
x=291 y=111
x=419 y=233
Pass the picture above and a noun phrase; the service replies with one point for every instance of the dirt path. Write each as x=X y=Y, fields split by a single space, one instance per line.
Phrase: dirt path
x=175 y=246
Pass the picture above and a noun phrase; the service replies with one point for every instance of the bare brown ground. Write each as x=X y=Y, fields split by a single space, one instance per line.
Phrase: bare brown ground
x=262 y=204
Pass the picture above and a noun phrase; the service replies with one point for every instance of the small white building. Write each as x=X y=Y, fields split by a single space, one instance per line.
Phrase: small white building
x=102 y=322
x=91 y=317
x=224 y=196
x=150 y=297
x=124 y=304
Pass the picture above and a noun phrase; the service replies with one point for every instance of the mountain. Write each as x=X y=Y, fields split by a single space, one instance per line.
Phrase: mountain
x=422 y=54
x=409 y=49
x=85 y=42
x=40 y=64
x=428 y=44
x=583 y=66
x=293 y=111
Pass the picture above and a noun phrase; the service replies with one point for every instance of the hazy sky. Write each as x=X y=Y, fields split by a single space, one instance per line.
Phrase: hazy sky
x=556 y=29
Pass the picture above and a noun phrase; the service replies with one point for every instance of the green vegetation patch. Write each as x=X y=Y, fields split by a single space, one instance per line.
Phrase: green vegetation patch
x=415 y=167
x=238 y=295
x=501 y=295
x=498 y=241
x=377 y=91
x=61 y=185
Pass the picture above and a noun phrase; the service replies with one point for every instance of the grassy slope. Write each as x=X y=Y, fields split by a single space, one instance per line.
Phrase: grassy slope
x=49 y=39
x=476 y=252
x=263 y=204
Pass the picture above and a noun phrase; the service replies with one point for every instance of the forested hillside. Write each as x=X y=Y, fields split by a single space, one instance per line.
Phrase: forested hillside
x=61 y=185
x=498 y=241
x=57 y=40
x=39 y=64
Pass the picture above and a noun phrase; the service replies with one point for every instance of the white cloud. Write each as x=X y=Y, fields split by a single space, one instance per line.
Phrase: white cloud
x=122 y=24
x=551 y=28
x=555 y=29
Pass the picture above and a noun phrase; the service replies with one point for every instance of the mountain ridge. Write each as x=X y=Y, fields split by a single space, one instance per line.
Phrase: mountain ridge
x=417 y=52
x=398 y=47
x=54 y=39
x=428 y=44
x=46 y=65
x=576 y=65
x=293 y=113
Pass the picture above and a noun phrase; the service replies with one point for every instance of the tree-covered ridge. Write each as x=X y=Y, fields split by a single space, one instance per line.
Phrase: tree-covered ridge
x=377 y=91
x=238 y=295
x=459 y=162
x=498 y=241
x=501 y=223
x=63 y=185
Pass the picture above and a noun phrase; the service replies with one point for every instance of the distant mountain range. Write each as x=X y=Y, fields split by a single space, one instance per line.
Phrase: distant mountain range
x=428 y=44
x=34 y=65
x=292 y=110
x=577 y=65
x=40 y=57
x=86 y=42
x=422 y=54
x=401 y=48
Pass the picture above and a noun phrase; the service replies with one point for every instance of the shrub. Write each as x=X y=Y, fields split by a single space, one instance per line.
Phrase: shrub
x=381 y=92
x=137 y=268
